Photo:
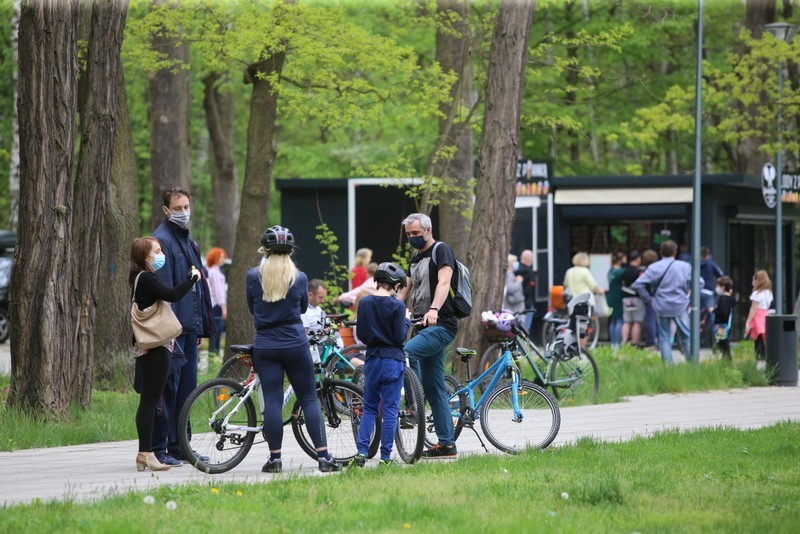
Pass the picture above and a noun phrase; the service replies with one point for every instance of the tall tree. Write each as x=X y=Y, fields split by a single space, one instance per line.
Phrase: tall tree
x=453 y=53
x=497 y=158
x=169 y=117
x=98 y=114
x=218 y=106
x=112 y=332
x=42 y=362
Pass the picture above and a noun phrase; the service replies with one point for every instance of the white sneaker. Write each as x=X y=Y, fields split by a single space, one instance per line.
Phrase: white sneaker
x=761 y=365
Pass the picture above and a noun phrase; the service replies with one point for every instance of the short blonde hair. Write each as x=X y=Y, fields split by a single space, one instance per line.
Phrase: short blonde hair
x=363 y=257
x=581 y=259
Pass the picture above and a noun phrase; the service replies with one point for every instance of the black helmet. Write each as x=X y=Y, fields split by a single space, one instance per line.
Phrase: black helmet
x=278 y=240
x=390 y=273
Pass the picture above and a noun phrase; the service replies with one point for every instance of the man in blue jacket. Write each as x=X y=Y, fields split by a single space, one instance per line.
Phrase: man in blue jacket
x=195 y=313
x=666 y=283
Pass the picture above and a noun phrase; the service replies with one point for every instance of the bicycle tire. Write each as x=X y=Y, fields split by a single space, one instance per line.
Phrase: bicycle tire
x=359 y=378
x=451 y=385
x=210 y=437
x=574 y=380
x=538 y=427
x=410 y=434
x=234 y=369
x=341 y=418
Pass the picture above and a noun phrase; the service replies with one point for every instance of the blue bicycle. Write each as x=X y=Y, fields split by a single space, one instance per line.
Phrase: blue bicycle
x=514 y=414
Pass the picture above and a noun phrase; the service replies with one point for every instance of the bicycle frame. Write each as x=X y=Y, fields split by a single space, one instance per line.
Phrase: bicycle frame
x=496 y=371
x=248 y=391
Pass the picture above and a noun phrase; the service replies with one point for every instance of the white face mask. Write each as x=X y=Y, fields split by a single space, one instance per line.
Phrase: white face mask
x=181 y=219
x=719 y=290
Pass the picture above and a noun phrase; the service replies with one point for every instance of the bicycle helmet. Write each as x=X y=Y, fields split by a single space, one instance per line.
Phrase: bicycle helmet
x=503 y=321
x=390 y=273
x=278 y=240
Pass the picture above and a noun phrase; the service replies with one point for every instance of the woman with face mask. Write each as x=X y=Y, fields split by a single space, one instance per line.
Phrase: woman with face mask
x=152 y=364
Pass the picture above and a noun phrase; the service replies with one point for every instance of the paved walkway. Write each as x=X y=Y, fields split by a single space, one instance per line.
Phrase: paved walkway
x=87 y=472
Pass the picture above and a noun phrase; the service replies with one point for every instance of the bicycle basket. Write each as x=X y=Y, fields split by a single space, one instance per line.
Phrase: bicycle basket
x=498 y=327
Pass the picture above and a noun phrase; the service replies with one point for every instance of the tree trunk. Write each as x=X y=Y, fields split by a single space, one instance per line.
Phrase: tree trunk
x=169 y=123
x=453 y=47
x=98 y=126
x=42 y=331
x=112 y=363
x=13 y=174
x=497 y=159
x=224 y=187
x=255 y=192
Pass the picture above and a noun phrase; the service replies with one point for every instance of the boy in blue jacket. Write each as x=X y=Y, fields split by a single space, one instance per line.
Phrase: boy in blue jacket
x=382 y=325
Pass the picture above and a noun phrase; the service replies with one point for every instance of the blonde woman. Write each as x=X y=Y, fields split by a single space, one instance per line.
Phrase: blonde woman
x=579 y=279
x=359 y=270
x=756 y=324
x=277 y=294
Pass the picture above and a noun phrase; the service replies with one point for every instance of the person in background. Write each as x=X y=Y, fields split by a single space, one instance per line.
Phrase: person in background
x=756 y=324
x=348 y=298
x=218 y=290
x=633 y=312
x=359 y=270
x=667 y=283
x=312 y=318
x=709 y=272
x=383 y=326
x=723 y=315
x=650 y=330
x=194 y=312
x=153 y=365
x=513 y=297
x=579 y=279
x=525 y=270
x=277 y=295
x=614 y=299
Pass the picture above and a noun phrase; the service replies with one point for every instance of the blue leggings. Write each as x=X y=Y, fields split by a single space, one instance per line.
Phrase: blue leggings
x=270 y=364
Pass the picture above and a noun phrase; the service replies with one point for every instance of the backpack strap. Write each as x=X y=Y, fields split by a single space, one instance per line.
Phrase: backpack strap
x=433 y=252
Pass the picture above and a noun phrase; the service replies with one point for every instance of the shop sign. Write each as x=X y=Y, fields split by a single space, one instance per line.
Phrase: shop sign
x=533 y=178
x=768 y=190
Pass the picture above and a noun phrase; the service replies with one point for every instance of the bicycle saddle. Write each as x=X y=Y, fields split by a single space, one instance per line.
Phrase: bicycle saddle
x=465 y=354
x=242 y=349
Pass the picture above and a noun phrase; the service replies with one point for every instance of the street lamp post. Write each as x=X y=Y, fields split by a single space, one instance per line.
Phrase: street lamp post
x=784 y=32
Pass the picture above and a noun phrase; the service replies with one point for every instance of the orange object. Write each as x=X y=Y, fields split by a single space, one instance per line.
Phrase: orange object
x=347 y=335
x=557 y=297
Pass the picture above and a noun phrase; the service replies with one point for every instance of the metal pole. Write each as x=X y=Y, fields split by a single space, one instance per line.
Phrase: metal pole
x=698 y=173
x=779 y=203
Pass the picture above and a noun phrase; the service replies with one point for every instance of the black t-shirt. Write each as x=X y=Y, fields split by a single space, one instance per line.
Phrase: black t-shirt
x=724 y=309
x=630 y=274
x=424 y=275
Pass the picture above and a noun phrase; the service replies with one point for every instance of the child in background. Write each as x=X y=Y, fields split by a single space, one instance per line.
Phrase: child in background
x=723 y=314
x=382 y=324
x=756 y=324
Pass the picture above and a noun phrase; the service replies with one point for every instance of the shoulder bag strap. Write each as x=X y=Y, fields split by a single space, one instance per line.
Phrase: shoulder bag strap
x=135 y=283
x=662 y=277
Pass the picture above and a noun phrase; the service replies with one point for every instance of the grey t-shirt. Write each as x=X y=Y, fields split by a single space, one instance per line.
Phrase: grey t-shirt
x=424 y=277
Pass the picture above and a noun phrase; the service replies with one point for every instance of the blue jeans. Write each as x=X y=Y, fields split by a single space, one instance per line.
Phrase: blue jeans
x=181 y=382
x=615 y=331
x=665 y=336
x=426 y=356
x=384 y=380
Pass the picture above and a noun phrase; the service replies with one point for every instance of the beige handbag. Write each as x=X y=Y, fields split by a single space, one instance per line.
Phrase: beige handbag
x=155 y=325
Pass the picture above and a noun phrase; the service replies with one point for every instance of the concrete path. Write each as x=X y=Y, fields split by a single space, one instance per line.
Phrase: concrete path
x=88 y=472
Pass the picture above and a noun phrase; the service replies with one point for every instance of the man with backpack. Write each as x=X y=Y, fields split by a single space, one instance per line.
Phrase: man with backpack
x=432 y=279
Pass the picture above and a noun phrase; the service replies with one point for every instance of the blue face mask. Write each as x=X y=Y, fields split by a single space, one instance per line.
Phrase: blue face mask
x=158 y=261
x=417 y=241
x=181 y=219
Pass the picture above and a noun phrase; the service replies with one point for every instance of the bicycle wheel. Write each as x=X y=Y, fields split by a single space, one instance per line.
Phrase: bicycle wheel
x=336 y=367
x=359 y=378
x=235 y=369
x=410 y=434
x=451 y=385
x=204 y=431
x=574 y=380
x=535 y=425
x=341 y=405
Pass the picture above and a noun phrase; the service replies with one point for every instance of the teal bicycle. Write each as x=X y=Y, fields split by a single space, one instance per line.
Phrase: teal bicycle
x=514 y=414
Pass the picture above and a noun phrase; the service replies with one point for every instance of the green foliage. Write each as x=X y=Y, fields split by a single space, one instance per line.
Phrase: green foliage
x=337 y=275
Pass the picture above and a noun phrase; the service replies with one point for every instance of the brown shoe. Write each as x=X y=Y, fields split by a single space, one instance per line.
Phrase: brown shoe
x=149 y=460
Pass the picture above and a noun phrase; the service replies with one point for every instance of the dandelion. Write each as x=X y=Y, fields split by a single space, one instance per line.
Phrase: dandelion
x=172 y=505
x=504 y=470
x=149 y=499
x=406 y=525
x=215 y=491
x=239 y=493
x=565 y=495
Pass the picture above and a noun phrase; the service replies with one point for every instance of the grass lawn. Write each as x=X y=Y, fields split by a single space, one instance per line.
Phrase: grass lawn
x=624 y=373
x=719 y=480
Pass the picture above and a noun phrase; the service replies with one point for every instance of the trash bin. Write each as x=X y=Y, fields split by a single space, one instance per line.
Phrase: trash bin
x=782 y=349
